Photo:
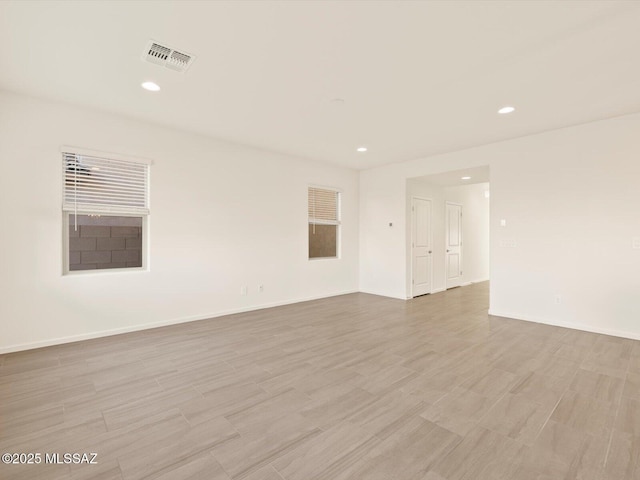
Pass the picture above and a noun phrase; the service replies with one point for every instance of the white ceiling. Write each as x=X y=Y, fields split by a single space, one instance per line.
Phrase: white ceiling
x=454 y=178
x=417 y=78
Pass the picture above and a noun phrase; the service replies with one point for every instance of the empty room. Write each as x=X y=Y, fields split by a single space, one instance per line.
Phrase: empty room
x=320 y=240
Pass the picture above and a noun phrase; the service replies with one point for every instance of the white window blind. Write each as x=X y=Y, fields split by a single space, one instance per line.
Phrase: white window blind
x=323 y=206
x=102 y=185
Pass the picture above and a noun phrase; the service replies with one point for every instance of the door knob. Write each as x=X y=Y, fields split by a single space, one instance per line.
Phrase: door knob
x=448 y=251
x=429 y=251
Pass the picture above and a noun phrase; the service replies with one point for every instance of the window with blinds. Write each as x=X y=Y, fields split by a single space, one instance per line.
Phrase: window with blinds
x=93 y=184
x=105 y=205
x=324 y=222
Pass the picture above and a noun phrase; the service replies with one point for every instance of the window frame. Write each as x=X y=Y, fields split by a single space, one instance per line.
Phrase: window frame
x=337 y=223
x=66 y=224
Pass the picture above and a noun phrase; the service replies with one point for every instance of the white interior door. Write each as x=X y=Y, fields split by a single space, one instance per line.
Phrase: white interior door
x=421 y=249
x=453 y=262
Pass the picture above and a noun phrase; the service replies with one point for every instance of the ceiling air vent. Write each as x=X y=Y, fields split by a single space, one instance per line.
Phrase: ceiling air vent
x=167 y=57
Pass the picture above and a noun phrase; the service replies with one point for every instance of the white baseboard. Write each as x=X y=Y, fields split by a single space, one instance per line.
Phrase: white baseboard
x=399 y=297
x=480 y=280
x=438 y=290
x=572 y=325
x=163 y=323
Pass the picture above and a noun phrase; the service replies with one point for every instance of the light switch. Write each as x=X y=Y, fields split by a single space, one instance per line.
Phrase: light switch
x=503 y=223
x=635 y=243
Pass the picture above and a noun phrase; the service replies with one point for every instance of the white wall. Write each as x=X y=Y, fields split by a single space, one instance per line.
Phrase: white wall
x=383 y=248
x=571 y=199
x=475 y=229
x=223 y=216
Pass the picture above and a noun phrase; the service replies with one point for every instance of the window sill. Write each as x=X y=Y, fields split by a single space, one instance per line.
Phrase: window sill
x=104 y=271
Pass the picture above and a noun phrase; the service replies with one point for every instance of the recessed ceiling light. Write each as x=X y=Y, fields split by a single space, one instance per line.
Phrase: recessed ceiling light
x=465 y=178
x=505 y=110
x=152 y=87
x=362 y=149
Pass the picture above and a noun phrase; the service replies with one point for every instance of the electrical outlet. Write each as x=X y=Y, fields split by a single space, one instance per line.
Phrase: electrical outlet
x=261 y=288
x=244 y=290
x=557 y=299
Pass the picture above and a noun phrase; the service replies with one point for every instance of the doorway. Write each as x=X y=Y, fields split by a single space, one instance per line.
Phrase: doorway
x=447 y=215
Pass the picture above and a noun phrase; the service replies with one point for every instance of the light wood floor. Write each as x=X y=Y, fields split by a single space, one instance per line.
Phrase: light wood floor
x=351 y=387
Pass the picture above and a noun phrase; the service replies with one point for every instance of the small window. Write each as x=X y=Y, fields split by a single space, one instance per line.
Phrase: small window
x=104 y=241
x=324 y=223
x=105 y=208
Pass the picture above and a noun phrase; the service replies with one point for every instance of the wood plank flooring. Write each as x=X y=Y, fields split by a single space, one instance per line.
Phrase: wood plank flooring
x=350 y=387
